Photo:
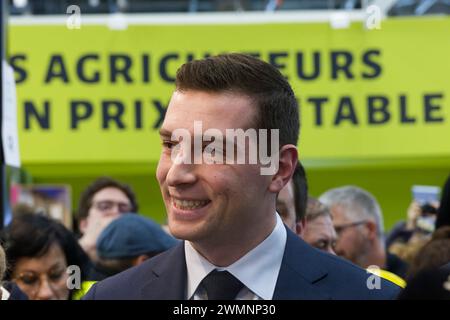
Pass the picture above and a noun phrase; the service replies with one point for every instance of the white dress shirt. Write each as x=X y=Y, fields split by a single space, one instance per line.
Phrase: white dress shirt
x=258 y=269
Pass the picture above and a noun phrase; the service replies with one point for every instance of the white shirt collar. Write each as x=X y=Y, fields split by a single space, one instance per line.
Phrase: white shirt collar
x=257 y=270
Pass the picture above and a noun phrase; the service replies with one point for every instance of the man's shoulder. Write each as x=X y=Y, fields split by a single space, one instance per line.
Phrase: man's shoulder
x=338 y=278
x=352 y=282
x=128 y=284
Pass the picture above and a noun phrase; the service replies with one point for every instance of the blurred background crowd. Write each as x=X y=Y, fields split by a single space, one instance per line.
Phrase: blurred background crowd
x=113 y=236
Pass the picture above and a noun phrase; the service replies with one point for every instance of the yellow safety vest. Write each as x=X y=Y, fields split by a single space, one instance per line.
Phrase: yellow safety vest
x=85 y=286
x=392 y=277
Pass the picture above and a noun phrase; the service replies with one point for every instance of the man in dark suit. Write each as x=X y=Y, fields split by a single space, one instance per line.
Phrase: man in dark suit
x=229 y=146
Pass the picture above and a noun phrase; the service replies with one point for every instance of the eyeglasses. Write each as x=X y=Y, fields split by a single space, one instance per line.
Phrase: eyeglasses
x=342 y=227
x=108 y=205
x=31 y=282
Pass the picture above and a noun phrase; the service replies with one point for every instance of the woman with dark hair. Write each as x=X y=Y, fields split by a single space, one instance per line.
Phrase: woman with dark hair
x=39 y=250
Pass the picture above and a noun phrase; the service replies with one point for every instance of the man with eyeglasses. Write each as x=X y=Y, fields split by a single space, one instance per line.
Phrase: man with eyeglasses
x=101 y=202
x=358 y=222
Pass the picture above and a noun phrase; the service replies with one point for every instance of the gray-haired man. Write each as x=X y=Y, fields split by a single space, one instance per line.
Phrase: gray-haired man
x=358 y=222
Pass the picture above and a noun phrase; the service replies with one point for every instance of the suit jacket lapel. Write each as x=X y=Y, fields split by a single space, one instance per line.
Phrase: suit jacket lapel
x=168 y=277
x=299 y=271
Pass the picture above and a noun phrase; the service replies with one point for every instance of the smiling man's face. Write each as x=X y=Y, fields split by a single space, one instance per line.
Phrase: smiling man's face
x=213 y=203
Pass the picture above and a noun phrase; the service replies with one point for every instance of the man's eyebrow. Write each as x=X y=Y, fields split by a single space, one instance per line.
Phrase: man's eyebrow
x=165 y=133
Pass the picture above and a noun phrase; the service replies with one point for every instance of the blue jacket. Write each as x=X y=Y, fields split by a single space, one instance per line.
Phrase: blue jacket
x=306 y=273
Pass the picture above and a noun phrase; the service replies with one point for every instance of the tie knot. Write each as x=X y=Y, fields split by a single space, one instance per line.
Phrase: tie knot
x=221 y=285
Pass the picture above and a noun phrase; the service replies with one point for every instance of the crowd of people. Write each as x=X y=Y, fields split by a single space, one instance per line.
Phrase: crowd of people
x=233 y=233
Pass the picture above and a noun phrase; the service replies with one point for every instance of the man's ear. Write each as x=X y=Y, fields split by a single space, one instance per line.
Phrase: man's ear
x=300 y=227
x=287 y=161
x=82 y=225
x=140 y=259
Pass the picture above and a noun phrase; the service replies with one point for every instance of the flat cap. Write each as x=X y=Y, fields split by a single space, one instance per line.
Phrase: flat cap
x=131 y=235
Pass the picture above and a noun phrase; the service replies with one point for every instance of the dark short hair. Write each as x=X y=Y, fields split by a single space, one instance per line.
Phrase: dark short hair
x=111 y=267
x=270 y=92
x=101 y=183
x=300 y=191
x=31 y=235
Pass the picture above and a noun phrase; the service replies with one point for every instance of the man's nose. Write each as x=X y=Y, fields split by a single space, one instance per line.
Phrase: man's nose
x=330 y=250
x=181 y=170
x=180 y=174
x=113 y=211
x=45 y=291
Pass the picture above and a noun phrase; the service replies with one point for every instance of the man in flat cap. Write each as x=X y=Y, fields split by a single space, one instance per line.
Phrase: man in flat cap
x=128 y=241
